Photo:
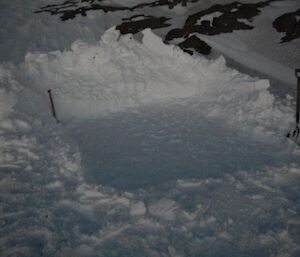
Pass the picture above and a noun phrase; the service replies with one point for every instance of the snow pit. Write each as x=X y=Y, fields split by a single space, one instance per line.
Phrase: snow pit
x=169 y=178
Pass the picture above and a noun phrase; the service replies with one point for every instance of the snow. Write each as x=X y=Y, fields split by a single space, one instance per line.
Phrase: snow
x=233 y=47
x=23 y=31
x=7 y=103
x=264 y=41
x=287 y=3
x=164 y=209
x=158 y=153
x=209 y=17
x=155 y=44
x=138 y=209
x=119 y=73
x=90 y=79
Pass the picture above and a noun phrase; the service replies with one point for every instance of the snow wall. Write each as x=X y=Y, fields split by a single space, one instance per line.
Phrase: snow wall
x=118 y=73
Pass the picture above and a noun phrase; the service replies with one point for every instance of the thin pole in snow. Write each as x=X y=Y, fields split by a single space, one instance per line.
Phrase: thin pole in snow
x=52 y=105
x=295 y=133
x=297 y=73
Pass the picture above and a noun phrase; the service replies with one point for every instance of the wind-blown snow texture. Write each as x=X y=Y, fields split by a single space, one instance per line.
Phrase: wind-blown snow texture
x=158 y=153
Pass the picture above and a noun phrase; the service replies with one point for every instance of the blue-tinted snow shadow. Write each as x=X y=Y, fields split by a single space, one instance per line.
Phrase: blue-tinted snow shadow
x=149 y=148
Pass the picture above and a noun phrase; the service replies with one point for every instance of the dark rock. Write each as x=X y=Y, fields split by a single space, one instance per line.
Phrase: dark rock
x=197 y=44
x=175 y=33
x=288 y=24
x=137 y=26
x=228 y=23
x=247 y=11
x=230 y=19
x=69 y=9
x=190 y=52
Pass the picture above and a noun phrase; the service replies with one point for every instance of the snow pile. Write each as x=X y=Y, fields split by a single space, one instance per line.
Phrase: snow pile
x=114 y=74
x=119 y=72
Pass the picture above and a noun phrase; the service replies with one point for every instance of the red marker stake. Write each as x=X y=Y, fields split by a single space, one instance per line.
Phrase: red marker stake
x=52 y=105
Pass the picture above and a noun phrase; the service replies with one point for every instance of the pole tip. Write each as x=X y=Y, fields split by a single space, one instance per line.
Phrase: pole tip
x=297 y=73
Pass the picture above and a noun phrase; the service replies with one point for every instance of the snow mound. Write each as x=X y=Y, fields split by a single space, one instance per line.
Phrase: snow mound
x=120 y=72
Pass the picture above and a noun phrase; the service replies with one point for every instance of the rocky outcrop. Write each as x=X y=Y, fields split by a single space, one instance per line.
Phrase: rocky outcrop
x=288 y=23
